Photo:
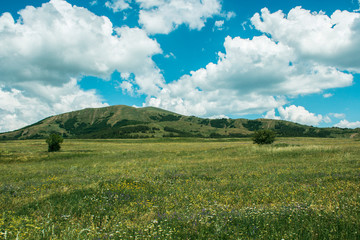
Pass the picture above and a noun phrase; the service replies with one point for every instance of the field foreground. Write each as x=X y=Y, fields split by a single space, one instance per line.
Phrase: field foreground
x=298 y=188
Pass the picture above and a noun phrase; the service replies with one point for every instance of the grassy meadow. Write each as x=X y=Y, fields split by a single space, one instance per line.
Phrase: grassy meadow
x=298 y=188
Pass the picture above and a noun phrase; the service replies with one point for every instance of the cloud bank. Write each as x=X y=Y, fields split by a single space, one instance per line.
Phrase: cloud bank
x=48 y=47
x=298 y=54
x=297 y=114
x=331 y=40
x=164 y=16
x=346 y=124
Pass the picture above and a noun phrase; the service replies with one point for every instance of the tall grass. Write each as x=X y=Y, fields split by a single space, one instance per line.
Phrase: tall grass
x=181 y=189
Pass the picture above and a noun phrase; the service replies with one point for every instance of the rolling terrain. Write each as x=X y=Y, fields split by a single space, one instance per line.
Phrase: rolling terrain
x=128 y=122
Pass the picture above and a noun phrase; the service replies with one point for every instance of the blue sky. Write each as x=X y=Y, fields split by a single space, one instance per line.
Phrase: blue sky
x=293 y=60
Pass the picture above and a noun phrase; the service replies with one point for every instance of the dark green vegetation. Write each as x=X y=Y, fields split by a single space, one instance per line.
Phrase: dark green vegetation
x=180 y=189
x=54 y=141
x=264 y=136
x=128 y=122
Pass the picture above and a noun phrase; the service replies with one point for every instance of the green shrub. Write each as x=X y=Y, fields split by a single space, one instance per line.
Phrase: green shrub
x=264 y=136
x=54 y=141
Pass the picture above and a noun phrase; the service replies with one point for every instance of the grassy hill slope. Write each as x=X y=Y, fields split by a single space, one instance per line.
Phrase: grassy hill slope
x=128 y=122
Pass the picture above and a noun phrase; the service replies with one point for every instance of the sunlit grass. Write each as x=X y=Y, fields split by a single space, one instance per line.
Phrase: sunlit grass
x=180 y=189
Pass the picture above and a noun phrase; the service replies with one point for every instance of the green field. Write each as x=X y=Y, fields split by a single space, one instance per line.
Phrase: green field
x=298 y=188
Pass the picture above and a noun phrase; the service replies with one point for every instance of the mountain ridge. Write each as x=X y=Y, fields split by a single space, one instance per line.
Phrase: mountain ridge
x=121 y=121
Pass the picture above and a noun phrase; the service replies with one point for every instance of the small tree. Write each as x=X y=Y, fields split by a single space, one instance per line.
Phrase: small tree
x=264 y=136
x=54 y=141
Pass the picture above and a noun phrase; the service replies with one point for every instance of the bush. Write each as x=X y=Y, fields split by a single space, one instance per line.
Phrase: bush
x=264 y=137
x=54 y=141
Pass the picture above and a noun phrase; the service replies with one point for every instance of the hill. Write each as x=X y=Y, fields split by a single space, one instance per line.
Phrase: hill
x=128 y=122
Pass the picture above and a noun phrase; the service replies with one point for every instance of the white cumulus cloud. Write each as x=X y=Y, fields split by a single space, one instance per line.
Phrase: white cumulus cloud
x=300 y=115
x=252 y=76
x=18 y=110
x=297 y=114
x=118 y=5
x=299 y=53
x=163 y=16
x=271 y=115
x=332 y=40
x=58 y=41
x=48 y=46
x=346 y=124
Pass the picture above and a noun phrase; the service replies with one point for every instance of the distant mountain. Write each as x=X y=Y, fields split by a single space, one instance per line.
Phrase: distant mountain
x=129 y=122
